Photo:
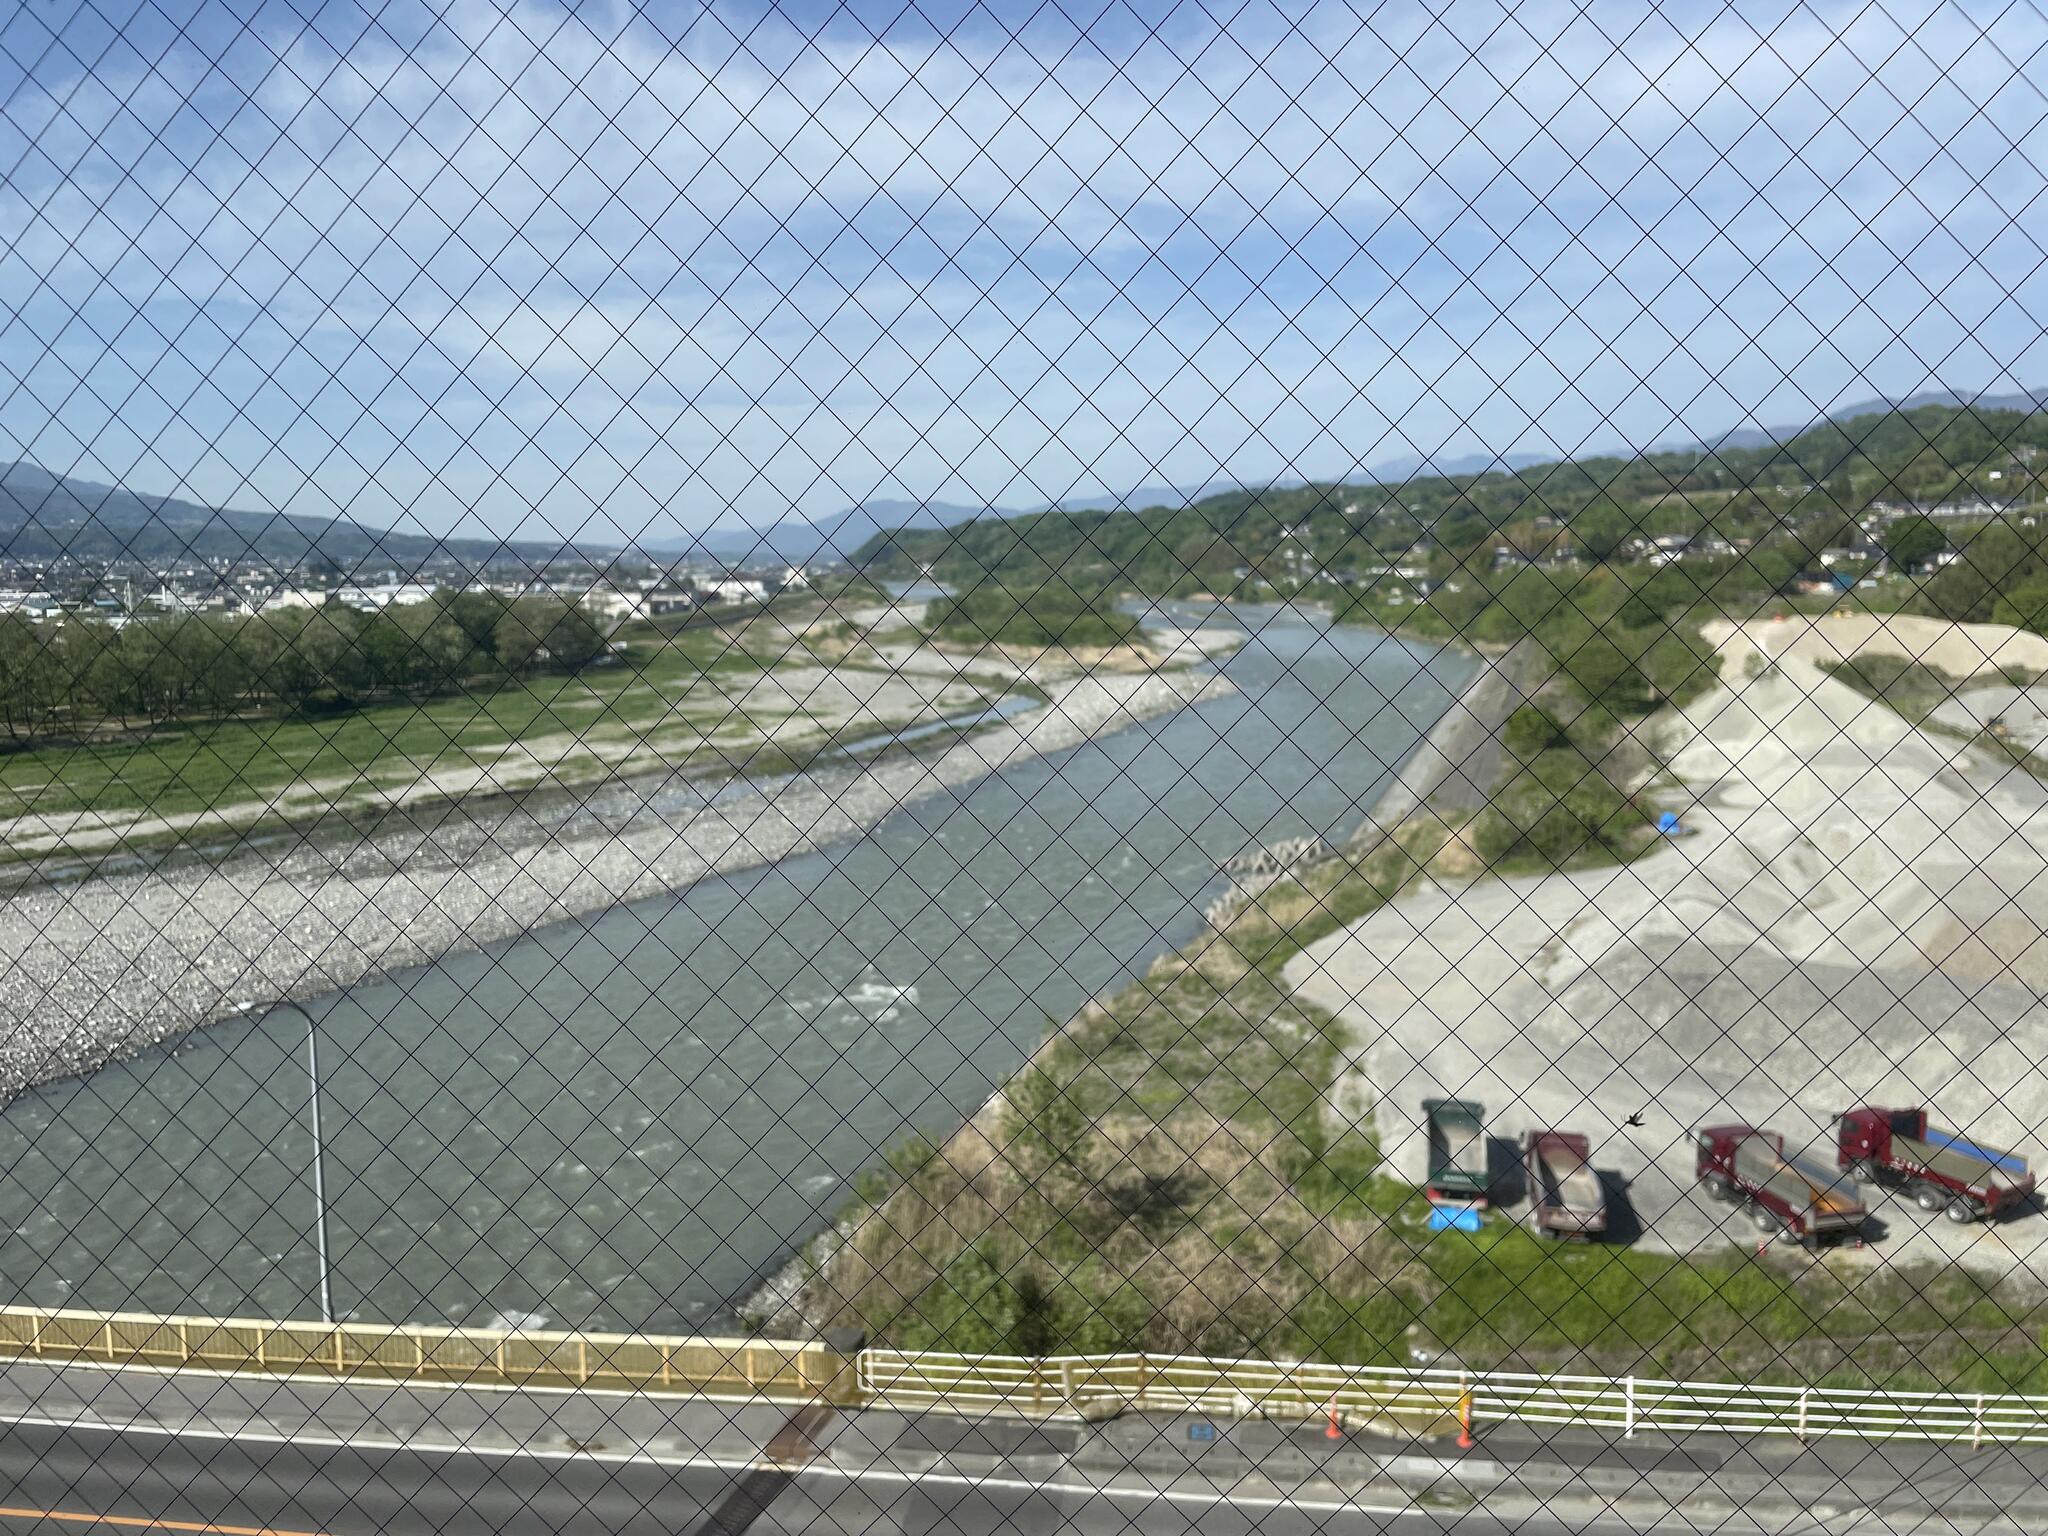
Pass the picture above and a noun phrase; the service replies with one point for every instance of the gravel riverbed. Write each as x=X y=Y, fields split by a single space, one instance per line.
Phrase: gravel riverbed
x=99 y=968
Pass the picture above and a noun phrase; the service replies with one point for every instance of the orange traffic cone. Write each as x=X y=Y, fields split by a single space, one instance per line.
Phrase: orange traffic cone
x=1334 y=1430
x=1465 y=1441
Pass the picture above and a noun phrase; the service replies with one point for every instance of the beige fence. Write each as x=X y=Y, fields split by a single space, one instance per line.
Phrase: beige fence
x=1070 y=1385
x=1061 y=1386
x=634 y=1362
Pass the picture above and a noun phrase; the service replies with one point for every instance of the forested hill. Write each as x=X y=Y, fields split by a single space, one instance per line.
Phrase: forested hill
x=1782 y=502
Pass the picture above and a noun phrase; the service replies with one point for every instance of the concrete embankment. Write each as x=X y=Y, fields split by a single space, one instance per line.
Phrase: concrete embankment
x=98 y=969
x=1450 y=772
x=1457 y=764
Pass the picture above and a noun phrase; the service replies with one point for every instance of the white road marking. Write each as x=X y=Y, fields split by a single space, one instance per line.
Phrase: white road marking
x=715 y=1463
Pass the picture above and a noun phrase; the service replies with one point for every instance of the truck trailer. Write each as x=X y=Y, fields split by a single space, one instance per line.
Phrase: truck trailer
x=1458 y=1172
x=1942 y=1171
x=1787 y=1194
x=1565 y=1195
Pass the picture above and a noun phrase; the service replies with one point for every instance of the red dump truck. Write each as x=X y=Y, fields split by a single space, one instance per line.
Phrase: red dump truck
x=1565 y=1195
x=1941 y=1170
x=1787 y=1193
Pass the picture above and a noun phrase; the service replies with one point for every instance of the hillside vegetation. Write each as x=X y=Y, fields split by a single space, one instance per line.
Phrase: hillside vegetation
x=44 y=516
x=1760 y=518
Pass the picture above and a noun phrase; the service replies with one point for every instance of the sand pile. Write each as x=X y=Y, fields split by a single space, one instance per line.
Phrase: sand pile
x=1856 y=912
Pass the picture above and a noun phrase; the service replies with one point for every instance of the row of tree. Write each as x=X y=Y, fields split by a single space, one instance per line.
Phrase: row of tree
x=1051 y=614
x=60 y=680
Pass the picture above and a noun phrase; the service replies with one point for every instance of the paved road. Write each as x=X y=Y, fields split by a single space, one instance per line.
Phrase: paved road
x=49 y=1476
x=86 y=1450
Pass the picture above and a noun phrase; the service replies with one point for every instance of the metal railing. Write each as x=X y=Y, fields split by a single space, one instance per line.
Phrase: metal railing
x=1058 y=1386
x=1063 y=1386
x=461 y=1356
x=1074 y=1386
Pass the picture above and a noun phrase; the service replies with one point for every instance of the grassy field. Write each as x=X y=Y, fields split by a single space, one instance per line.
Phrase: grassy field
x=1505 y=1296
x=675 y=697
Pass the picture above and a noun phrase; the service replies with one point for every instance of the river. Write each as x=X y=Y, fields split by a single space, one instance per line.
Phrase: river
x=620 y=1122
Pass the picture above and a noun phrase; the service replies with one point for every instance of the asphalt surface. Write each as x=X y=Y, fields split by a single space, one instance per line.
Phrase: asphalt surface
x=49 y=1475
x=107 y=1450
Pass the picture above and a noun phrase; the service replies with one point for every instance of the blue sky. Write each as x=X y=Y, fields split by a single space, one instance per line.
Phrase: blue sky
x=602 y=270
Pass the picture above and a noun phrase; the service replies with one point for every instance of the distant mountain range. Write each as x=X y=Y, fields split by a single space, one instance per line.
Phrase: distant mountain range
x=45 y=516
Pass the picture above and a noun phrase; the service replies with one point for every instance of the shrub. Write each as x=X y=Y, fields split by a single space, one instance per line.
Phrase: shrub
x=1054 y=614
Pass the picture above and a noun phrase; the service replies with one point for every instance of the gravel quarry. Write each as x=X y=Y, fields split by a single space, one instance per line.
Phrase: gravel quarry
x=1854 y=912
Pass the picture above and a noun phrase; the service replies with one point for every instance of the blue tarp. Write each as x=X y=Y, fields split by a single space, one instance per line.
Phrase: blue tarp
x=1969 y=1148
x=1454 y=1218
x=1667 y=821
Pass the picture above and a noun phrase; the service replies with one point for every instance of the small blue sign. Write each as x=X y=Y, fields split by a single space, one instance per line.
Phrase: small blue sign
x=1200 y=1431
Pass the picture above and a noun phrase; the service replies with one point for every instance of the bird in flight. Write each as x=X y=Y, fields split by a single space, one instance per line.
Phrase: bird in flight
x=1635 y=1121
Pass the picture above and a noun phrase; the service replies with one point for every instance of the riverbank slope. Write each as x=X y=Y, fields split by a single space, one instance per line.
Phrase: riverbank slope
x=1168 y=1169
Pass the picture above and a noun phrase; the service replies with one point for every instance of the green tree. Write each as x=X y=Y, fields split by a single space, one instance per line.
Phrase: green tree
x=1913 y=541
x=1532 y=730
x=313 y=653
x=208 y=662
x=1992 y=561
x=972 y=1308
x=545 y=630
x=2026 y=605
x=387 y=652
x=29 y=678
x=474 y=615
x=1602 y=530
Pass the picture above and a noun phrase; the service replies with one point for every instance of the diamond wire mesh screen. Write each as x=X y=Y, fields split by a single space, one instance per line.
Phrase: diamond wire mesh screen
x=975 y=767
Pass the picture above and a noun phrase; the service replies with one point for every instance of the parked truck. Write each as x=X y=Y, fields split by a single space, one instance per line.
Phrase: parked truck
x=1788 y=1194
x=1457 y=1152
x=1942 y=1171
x=1565 y=1195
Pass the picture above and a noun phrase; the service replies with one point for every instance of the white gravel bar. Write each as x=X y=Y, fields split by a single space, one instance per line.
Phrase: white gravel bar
x=96 y=969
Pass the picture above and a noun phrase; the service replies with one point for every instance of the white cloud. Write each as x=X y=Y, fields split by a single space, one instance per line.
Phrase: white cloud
x=784 y=251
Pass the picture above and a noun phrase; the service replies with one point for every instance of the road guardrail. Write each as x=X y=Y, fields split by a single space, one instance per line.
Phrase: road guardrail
x=460 y=1356
x=1062 y=1386
x=1054 y=1387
